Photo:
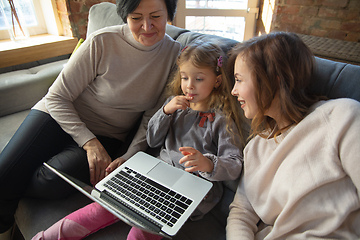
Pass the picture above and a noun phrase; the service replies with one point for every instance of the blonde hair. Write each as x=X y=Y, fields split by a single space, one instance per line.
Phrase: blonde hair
x=206 y=55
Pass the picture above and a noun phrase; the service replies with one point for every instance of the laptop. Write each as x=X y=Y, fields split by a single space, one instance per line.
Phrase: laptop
x=146 y=193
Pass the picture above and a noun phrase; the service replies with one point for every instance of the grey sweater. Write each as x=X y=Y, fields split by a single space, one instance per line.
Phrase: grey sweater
x=181 y=129
x=108 y=84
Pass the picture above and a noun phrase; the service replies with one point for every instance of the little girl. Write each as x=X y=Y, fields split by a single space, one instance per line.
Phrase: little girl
x=197 y=127
x=199 y=130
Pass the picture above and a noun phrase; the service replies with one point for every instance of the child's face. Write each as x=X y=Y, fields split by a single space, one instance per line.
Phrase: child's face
x=198 y=83
x=244 y=88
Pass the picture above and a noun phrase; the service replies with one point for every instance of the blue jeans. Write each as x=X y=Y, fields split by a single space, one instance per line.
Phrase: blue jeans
x=40 y=139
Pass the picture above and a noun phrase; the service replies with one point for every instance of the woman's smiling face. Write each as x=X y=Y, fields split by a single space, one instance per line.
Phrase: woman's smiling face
x=244 y=88
x=148 y=22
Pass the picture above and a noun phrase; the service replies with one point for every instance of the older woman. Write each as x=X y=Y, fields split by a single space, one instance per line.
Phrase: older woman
x=112 y=81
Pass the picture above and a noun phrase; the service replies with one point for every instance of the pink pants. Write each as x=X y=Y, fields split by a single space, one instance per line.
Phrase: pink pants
x=86 y=221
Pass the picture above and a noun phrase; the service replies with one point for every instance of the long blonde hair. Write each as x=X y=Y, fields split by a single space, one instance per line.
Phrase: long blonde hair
x=207 y=55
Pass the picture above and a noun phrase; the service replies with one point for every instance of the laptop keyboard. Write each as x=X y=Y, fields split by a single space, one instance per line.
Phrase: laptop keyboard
x=157 y=200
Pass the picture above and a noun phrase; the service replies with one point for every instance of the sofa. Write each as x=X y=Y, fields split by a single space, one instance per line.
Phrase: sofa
x=332 y=79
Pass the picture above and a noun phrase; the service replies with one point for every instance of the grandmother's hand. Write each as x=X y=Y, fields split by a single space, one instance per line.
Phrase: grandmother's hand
x=114 y=164
x=98 y=159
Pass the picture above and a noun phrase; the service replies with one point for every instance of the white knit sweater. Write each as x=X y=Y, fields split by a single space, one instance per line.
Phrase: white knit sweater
x=307 y=185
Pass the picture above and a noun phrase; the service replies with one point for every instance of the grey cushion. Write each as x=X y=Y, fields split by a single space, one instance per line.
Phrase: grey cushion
x=102 y=15
x=20 y=90
x=8 y=126
x=336 y=80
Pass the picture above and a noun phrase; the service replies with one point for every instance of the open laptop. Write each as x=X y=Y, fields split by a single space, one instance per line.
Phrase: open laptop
x=147 y=193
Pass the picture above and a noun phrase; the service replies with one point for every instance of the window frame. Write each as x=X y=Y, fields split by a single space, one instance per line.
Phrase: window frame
x=250 y=14
x=44 y=9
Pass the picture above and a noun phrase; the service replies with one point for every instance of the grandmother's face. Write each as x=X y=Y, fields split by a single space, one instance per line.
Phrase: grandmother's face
x=148 y=21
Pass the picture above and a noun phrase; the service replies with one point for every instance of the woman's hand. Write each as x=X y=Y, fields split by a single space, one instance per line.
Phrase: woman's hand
x=178 y=102
x=98 y=160
x=113 y=165
x=195 y=161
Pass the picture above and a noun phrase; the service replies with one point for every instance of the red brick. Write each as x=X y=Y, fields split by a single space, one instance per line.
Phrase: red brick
x=318 y=32
x=330 y=24
x=328 y=12
x=336 y=34
x=291 y=9
x=300 y=2
x=318 y=2
x=82 y=29
x=353 y=37
x=76 y=6
x=295 y=28
x=80 y=18
x=292 y=19
x=354 y=4
x=349 y=15
x=312 y=22
x=335 y=3
x=278 y=9
x=351 y=26
x=309 y=11
x=89 y=3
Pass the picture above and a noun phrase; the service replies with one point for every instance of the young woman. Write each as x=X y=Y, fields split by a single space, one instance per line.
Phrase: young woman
x=198 y=129
x=92 y=106
x=301 y=168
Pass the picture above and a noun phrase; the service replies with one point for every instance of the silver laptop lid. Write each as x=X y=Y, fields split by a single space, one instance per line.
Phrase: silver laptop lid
x=191 y=188
x=155 y=170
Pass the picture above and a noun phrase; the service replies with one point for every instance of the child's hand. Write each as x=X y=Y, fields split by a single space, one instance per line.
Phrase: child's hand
x=195 y=161
x=113 y=165
x=178 y=102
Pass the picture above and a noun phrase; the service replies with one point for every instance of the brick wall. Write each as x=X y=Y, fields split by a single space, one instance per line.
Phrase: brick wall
x=336 y=19
x=74 y=15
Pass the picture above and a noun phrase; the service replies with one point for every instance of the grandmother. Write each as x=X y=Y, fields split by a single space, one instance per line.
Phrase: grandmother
x=114 y=80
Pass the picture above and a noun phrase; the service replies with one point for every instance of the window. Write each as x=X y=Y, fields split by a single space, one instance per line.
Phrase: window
x=33 y=13
x=234 y=19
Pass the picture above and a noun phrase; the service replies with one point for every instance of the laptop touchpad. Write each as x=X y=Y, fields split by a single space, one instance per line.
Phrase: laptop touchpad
x=165 y=173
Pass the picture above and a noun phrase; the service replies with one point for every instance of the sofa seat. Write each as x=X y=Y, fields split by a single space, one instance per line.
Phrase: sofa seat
x=9 y=124
x=20 y=90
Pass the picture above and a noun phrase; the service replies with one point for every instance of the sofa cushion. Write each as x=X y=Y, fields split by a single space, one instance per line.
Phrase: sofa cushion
x=8 y=126
x=20 y=90
x=336 y=80
x=102 y=15
x=224 y=43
